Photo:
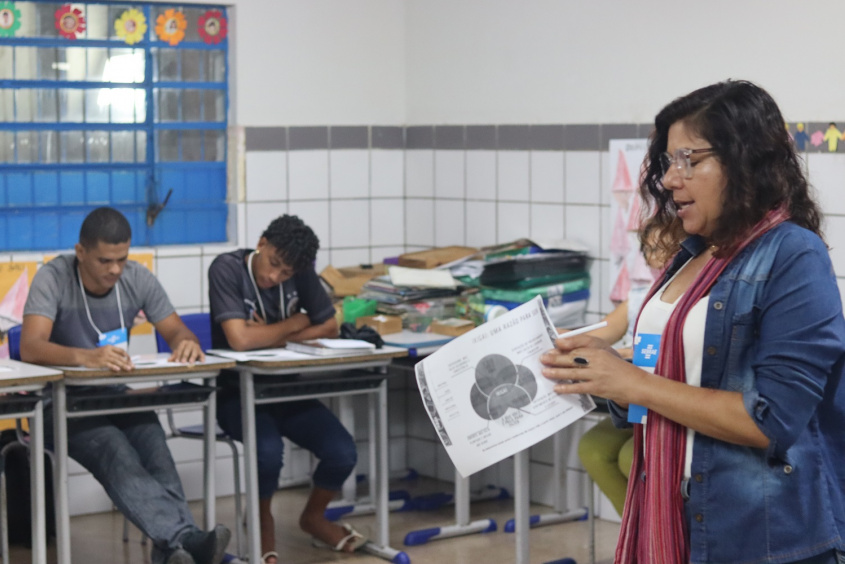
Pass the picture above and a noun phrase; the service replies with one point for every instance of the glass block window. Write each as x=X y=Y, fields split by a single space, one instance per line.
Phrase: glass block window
x=119 y=104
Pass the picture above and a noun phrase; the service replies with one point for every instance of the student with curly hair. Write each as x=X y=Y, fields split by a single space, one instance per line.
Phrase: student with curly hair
x=263 y=298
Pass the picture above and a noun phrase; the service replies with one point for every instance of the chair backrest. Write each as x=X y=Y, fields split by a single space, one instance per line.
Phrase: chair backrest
x=13 y=337
x=198 y=323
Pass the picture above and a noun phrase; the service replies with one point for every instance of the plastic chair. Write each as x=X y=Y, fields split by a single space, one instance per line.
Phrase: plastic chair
x=200 y=325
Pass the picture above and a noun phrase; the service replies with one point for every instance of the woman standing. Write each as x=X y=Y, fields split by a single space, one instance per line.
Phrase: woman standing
x=741 y=349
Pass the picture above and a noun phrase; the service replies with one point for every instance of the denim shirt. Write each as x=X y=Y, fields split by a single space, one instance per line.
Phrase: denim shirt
x=775 y=332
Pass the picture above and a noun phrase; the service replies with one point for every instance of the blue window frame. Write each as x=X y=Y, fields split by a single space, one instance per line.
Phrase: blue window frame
x=94 y=121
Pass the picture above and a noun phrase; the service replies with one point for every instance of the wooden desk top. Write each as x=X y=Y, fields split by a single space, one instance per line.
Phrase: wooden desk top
x=211 y=364
x=15 y=373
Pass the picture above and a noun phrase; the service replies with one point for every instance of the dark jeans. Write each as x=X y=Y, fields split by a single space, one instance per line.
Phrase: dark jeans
x=128 y=454
x=309 y=424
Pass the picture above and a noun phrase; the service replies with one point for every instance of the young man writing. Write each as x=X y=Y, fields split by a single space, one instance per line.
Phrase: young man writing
x=79 y=312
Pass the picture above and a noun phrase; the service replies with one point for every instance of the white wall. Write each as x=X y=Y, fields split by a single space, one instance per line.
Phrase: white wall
x=608 y=61
x=316 y=62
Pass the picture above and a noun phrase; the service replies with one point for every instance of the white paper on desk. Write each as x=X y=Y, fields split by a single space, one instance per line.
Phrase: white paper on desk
x=262 y=354
x=421 y=277
x=485 y=394
x=153 y=361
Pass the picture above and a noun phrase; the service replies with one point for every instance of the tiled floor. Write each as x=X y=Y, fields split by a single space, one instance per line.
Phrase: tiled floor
x=96 y=539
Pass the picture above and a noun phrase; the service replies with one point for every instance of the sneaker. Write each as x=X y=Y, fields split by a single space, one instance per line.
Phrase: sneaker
x=177 y=556
x=207 y=547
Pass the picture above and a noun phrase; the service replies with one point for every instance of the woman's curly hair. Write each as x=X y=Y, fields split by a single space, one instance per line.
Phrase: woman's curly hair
x=295 y=242
x=743 y=125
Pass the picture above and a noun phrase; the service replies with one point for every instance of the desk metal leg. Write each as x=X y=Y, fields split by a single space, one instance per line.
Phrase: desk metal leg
x=591 y=508
x=381 y=548
x=347 y=419
x=36 y=451
x=209 y=419
x=250 y=465
x=521 y=506
x=60 y=485
x=560 y=514
x=462 y=525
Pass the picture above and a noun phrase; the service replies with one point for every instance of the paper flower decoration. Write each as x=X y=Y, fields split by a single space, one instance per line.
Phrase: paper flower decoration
x=69 y=21
x=10 y=19
x=131 y=26
x=170 y=26
x=212 y=27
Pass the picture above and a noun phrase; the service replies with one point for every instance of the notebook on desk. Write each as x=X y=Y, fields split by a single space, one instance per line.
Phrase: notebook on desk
x=410 y=340
x=332 y=347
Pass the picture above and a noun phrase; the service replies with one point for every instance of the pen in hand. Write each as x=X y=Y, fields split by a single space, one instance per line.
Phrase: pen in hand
x=582 y=330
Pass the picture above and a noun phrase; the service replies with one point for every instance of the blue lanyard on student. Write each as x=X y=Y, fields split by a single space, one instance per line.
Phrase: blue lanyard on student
x=258 y=293
x=117 y=337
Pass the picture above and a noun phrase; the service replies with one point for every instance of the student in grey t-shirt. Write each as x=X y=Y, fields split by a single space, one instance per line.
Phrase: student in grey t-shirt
x=263 y=298
x=79 y=311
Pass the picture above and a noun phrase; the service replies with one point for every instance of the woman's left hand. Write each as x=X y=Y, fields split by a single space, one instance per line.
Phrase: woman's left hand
x=586 y=365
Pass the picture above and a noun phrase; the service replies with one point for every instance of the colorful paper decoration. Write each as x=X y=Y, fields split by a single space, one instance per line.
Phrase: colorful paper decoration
x=171 y=26
x=212 y=27
x=622 y=285
x=634 y=214
x=69 y=21
x=10 y=19
x=131 y=26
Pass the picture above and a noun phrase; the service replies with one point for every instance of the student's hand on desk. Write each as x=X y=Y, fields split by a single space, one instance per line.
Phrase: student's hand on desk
x=109 y=357
x=586 y=365
x=187 y=352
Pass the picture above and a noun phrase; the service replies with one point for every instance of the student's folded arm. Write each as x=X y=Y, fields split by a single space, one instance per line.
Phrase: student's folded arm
x=246 y=336
x=325 y=330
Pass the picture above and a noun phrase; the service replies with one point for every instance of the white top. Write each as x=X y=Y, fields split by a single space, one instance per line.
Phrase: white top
x=653 y=321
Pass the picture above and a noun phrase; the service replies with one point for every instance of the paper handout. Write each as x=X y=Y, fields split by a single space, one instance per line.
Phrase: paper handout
x=485 y=392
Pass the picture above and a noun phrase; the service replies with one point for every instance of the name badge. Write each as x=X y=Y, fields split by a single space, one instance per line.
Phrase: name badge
x=646 y=351
x=118 y=338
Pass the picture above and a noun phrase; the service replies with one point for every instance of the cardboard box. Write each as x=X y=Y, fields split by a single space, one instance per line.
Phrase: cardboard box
x=432 y=258
x=383 y=324
x=453 y=326
x=348 y=281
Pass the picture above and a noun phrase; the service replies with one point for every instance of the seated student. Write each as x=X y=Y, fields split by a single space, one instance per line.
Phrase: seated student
x=264 y=298
x=606 y=452
x=79 y=304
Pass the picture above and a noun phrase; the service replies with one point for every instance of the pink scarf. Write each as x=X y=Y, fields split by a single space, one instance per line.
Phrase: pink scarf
x=653 y=523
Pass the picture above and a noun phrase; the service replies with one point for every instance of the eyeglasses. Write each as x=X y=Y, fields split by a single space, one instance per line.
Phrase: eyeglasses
x=680 y=161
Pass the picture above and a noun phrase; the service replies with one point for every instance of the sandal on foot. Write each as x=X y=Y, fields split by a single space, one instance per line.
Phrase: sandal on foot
x=354 y=539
